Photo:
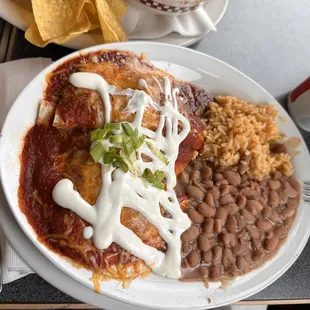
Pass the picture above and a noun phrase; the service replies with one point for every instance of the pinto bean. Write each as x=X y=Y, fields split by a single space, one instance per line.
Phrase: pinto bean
x=218 y=225
x=277 y=175
x=294 y=183
x=274 y=184
x=215 y=272
x=209 y=199
x=207 y=172
x=248 y=216
x=263 y=225
x=195 y=216
x=221 y=183
x=240 y=248
x=254 y=206
x=208 y=226
x=203 y=271
x=248 y=256
x=190 y=234
x=231 y=208
x=231 y=223
x=289 y=189
x=228 y=257
x=274 y=216
x=193 y=258
x=207 y=257
x=206 y=210
x=232 y=177
x=274 y=198
x=241 y=201
x=224 y=190
x=288 y=212
x=292 y=204
x=217 y=254
x=195 y=175
x=258 y=254
x=207 y=183
x=243 y=168
x=283 y=196
x=221 y=213
x=271 y=243
x=280 y=231
x=225 y=238
x=186 y=247
x=249 y=193
x=241 y=262
x=288 y=221
x=195 y=192
x=204 y=243
x=218 y=177
x=253 y=231
x=226 y=199
x=267 y=212
x=184 y=178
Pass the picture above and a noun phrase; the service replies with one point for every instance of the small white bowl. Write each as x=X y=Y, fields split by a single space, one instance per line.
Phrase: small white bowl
x=170 y=7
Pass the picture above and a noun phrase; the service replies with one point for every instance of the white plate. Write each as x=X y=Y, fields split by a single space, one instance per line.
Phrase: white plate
x=202 y=70
x=19 y=14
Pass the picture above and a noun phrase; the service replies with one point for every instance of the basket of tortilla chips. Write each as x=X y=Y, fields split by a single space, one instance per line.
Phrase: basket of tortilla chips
x=58 y=21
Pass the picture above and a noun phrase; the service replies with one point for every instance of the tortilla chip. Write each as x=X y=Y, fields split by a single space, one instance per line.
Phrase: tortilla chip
x=33 y=36
x=111 y=29
x=58 y=18
x=58 y=21
x=91 y=12
x=118 y=7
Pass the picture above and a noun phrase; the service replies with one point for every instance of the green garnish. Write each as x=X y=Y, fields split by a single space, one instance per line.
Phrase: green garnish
x=115 y=126
x=97 y=151
x=116 y=139
x=127 y=129
x=122 y=153
x=157 y=153
x=156 y=178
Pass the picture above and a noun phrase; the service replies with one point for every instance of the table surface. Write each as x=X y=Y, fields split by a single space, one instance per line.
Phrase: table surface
x=267 y=40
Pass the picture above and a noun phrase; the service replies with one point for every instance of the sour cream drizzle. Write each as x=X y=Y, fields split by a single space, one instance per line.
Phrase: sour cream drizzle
x=120 y=189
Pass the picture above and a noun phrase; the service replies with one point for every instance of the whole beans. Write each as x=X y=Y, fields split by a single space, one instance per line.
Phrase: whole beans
x=195 y=216
x=237 y=221
x=190 y=234
x=206 y=210
x=193 y=258
x=195 y=192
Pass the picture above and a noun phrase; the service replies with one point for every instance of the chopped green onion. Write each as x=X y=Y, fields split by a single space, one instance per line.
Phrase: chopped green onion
x=128 y=130
x=131 y=162
x=128 y=147
x=159 y=175
x=157 y=153
x=159 y=185
x=154 y=178
x=108 y=157
x=139 y=142
x=122 y=153
x=116 y=139
x=97 y=151
x=111 y=126
x=93 y=135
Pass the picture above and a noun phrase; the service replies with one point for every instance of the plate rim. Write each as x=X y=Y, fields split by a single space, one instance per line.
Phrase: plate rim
x=123 y=46
x=13 y=18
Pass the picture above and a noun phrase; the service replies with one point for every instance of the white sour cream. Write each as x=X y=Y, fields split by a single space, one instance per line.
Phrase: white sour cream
x=120 y=189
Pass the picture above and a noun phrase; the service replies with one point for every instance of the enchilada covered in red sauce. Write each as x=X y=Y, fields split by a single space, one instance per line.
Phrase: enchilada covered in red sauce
x=58 y=147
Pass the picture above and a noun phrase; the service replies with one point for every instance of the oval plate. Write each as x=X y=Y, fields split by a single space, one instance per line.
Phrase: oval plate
x=201 y=70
